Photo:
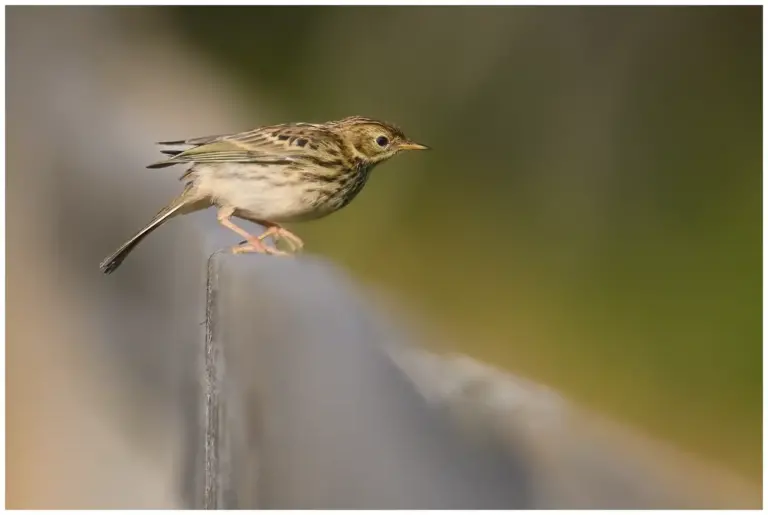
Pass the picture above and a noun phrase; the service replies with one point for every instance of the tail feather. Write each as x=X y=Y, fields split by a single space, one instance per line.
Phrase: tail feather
x=111 y=263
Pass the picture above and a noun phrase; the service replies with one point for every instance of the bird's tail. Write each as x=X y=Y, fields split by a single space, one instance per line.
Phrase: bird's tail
x=111 y=263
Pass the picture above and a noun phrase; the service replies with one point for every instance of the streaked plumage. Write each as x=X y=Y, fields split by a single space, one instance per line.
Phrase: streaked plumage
x=276 y=174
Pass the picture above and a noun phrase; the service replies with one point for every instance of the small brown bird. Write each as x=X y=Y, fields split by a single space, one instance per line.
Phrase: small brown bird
x=276 y=174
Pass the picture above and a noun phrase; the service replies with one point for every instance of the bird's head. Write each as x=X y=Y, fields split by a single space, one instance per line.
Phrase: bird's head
x=374 y=141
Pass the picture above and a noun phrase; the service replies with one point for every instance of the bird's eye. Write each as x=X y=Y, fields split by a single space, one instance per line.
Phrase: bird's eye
x=382 y=141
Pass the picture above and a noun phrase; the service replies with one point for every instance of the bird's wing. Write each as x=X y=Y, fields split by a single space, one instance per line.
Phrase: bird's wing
x=268 y=145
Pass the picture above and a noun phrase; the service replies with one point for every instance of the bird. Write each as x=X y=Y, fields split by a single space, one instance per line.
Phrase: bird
x=290 y=172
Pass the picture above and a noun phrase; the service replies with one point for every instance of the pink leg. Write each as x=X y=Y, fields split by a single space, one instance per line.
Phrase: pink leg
x=254 y=244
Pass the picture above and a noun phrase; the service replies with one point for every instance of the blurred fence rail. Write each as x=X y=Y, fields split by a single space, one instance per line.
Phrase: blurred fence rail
x=324 y=405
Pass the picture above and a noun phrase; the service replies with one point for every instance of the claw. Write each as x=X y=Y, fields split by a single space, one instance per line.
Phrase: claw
x=277 y=233
x=246 y=247
x=280 y=233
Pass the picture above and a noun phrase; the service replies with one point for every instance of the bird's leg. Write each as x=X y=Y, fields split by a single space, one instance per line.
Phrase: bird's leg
x=254 y=244
x=277 y=231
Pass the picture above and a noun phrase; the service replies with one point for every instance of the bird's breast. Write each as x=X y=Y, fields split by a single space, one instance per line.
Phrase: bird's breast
x=279 y=193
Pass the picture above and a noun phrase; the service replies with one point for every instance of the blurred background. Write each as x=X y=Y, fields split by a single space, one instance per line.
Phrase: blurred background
x=589 y=217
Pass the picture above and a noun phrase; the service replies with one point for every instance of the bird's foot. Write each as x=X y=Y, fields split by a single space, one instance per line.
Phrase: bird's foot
x=277 y=232
x=254 y=245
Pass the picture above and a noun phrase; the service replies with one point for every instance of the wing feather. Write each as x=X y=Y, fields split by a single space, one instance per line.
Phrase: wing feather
x=267 y=145
x=258 y=146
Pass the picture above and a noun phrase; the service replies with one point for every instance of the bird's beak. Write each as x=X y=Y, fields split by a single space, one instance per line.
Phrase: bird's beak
x=411 y=145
